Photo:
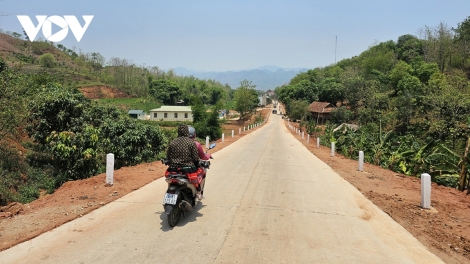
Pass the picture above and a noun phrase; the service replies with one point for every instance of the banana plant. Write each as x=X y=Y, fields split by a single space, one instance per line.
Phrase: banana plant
x=382 y=147
x=397 y=158
x=418 y=159
x=448 y=167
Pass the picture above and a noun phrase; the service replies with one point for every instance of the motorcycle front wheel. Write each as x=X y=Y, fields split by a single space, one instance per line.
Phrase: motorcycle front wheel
x=174 y=216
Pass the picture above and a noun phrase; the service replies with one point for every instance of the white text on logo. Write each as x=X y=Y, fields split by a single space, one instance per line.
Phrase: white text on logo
x=64 y=23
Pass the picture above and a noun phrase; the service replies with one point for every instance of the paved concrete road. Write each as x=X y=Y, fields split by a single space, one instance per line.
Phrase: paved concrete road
x=268 y=200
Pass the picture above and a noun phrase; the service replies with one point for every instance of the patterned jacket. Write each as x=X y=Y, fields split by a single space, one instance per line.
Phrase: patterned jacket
x=182 y=151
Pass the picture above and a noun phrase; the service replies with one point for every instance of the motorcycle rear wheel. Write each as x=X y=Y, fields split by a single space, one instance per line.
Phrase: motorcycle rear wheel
x=174 y=216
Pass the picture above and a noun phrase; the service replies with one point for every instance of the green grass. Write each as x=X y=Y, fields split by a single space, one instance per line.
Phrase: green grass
x=145 y=104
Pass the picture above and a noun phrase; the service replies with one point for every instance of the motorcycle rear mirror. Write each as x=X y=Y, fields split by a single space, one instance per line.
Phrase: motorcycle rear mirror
x=212 y=146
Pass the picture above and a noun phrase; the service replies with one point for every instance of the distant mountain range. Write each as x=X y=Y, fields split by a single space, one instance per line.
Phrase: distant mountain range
x=266 y=77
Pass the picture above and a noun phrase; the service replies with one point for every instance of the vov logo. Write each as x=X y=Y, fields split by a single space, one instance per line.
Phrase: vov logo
x=64 y=23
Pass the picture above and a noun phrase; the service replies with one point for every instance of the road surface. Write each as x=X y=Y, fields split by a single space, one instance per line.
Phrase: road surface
x=268 y=200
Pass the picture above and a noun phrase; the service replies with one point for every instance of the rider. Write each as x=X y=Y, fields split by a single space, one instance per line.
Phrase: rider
x=183 y=154
x=202 y=155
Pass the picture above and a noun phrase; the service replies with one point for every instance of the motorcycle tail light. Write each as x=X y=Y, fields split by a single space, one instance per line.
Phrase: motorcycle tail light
x=176 y=181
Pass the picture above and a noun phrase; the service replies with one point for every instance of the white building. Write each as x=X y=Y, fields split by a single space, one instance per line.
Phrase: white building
x=171 y=113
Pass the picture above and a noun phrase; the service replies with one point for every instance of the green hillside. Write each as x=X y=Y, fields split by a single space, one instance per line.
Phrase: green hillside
x=410 y=98
x=62 y=111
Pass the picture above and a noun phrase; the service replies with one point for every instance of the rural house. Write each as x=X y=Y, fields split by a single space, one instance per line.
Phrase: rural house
x=321 y=111
x=171 y=113
x=137 y=114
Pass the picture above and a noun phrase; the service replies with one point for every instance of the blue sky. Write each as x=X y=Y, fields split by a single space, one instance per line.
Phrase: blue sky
x=221 y=35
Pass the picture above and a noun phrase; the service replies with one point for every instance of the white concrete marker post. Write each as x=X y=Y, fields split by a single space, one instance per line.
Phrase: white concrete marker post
x=110 y=169
x=308 y=138
x=239 y=130
x=332 y=149
x=361 y=160
x=223 y=136
x=302 y=135
x=232 y=133
x=207 y=142
x=318 y=142
x=426 y=191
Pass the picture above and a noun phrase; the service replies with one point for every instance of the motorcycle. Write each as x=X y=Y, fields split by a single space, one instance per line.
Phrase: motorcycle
x=183 y=187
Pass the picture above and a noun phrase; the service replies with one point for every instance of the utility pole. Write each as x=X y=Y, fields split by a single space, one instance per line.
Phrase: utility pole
x=336 y=44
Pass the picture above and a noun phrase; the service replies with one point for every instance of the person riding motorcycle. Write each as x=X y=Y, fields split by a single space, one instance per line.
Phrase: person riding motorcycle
x=202 y=155
x=183 y=155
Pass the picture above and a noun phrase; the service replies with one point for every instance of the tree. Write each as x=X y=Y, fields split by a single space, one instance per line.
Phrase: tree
x=165 y=91
x=47 y=60
x=409 y=48
x=380 y=57
x=246 y=98
x=331 y=90
x=341 y=115
x=426 y=70
x=198 y=109
x=13 y=102
x=437 y=45
x=299 y=110
x=462 y=40
x=56 y=109
x=25 y=35
x=206 y=124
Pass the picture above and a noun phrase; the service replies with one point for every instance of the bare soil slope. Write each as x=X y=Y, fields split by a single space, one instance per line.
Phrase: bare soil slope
x=102 y=91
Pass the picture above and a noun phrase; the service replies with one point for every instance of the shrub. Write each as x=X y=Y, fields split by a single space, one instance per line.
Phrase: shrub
x=47 y=60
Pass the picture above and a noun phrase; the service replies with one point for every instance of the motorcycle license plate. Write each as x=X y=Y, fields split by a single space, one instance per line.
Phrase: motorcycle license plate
x=170 y=198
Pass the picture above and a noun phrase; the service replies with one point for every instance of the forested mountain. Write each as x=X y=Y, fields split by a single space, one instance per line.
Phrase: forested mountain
x=268 y=77
x=410 y=97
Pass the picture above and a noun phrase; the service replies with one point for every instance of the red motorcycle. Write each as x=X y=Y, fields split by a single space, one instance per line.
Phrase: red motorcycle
x=184 y=187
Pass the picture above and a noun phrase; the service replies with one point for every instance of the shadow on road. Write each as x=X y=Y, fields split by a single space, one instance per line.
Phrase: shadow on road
x=187 y=218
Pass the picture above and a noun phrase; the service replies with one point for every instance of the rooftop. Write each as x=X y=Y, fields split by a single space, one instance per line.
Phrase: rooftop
x=320 y=107
x=172 y=108
x=135 y=112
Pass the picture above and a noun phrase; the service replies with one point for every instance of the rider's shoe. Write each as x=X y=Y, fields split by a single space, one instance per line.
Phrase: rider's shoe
x=199 y=196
